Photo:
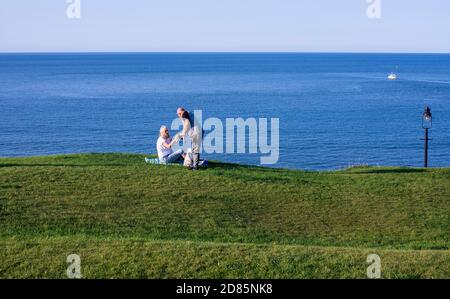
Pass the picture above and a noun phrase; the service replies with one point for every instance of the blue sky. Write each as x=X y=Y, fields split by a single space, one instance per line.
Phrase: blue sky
x=225 y=25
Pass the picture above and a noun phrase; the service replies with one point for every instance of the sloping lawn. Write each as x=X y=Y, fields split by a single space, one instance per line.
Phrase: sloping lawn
x=127 y=219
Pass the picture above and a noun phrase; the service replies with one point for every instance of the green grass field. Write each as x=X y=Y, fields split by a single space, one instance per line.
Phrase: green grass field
x=126 y=219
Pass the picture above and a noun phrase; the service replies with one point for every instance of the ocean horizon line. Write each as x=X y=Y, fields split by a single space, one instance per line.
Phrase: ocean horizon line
x=223 y=52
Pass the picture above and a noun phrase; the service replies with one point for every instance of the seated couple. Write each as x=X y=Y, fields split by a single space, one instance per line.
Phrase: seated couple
x=166 y=155
x=190 y=129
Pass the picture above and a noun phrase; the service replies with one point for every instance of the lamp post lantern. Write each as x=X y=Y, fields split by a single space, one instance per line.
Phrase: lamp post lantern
x=427 y=124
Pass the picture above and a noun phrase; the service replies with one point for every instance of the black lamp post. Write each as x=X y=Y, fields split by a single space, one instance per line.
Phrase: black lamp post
x=427 y=124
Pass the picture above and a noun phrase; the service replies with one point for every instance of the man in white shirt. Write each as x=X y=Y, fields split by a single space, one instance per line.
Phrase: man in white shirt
x=164 y=147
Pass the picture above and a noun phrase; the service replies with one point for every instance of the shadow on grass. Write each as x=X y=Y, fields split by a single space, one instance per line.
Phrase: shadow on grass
x=229 y=165
x=387 y=171
x=215 y=164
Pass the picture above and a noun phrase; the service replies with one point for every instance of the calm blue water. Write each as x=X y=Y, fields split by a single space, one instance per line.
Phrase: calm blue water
x=335 y=110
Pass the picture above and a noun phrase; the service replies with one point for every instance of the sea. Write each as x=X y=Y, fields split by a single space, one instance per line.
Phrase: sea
x=334 y=110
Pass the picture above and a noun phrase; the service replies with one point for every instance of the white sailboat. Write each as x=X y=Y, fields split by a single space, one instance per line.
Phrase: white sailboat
x=393 y=76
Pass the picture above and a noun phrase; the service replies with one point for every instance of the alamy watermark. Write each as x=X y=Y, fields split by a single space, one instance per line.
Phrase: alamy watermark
x=73 y=10
x=233 y=136
x=74 y=269
x=374 y=9
x=374 y=269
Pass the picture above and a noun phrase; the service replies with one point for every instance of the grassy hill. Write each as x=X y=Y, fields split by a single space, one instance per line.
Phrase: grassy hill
x=128 y=219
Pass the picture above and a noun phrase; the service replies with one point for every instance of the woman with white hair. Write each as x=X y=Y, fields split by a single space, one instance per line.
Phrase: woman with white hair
x=164 y=147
